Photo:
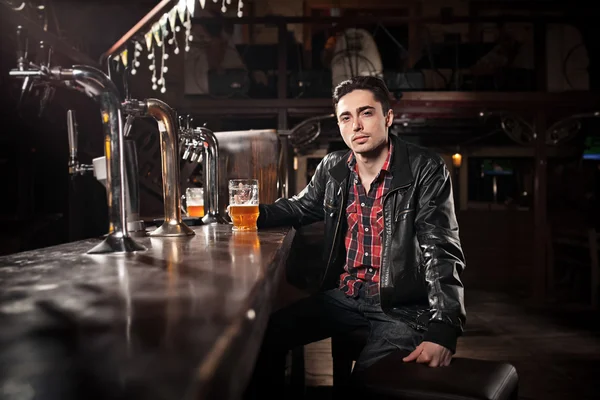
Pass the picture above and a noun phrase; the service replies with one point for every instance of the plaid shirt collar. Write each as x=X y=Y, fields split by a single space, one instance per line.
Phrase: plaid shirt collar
x=386 y=165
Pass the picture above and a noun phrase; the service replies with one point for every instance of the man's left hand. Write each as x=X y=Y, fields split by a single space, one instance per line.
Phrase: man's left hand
x=430 y=353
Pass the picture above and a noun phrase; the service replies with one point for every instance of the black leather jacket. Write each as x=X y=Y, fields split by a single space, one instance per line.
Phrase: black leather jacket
x=422 y=257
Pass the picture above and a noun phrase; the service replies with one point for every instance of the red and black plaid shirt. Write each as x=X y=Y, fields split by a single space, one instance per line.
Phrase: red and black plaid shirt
x=364 y=213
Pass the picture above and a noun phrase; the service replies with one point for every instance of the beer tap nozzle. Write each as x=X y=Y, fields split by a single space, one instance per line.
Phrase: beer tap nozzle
x=72 y=132
x=187 y=152
x=195 y=155
x=74 y=167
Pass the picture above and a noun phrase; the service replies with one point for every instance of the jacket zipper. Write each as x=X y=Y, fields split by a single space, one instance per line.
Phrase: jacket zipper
x=337 y=228
x=383 y=248
x=401 y=213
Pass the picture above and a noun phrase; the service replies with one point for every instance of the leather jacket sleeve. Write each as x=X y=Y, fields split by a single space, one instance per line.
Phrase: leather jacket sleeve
x=302 y=209
x=438 y=236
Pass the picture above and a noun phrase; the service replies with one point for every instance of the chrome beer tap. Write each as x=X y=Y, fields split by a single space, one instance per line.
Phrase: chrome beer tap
x=169 y=151
x=203 y=146
x=95 y=84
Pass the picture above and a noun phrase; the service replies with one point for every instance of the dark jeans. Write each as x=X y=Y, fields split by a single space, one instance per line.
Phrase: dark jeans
x=318 y=317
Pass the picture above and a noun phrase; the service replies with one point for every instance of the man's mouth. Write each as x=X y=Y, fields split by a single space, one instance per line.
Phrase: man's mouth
x=360 y=139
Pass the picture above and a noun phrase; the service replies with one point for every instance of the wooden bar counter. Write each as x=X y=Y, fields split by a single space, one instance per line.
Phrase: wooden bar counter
x=182 y=320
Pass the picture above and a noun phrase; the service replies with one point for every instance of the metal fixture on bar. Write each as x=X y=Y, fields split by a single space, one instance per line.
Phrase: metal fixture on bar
x=201 y=144
x=75 y=168
x=169 y=151
x=95 y=84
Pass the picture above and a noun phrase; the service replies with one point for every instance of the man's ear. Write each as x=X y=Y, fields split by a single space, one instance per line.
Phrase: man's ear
x=389 y=119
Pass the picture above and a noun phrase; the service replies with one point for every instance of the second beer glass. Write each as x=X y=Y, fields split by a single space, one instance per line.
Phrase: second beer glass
x=243 y=204
x=194 y=202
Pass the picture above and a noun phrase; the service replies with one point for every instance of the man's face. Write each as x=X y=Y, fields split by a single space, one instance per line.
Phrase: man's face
x=362 y=123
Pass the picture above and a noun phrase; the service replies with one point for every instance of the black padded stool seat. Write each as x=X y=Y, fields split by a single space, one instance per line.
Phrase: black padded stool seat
x=464 y=379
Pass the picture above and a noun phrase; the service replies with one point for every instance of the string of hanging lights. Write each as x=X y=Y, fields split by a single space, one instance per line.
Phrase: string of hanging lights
x=162 y=38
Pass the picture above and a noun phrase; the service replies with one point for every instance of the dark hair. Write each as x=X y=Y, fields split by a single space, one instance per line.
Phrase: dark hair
x=371 y=83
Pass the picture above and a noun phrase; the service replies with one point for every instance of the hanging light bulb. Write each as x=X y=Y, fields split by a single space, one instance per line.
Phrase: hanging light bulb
x=136 y=53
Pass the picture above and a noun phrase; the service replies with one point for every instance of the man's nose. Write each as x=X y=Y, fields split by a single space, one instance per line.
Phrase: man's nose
x=356 y=126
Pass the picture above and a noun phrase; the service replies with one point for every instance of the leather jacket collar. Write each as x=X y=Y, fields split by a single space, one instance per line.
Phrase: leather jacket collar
x=401 y=172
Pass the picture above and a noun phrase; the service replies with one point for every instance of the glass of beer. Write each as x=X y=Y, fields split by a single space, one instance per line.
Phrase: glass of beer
x=243 y=204
x=194 y=202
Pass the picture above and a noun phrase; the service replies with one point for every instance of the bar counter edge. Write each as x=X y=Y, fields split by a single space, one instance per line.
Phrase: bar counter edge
x=182 y=320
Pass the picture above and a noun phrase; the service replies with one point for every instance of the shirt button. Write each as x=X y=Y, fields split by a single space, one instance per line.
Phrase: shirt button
x=367 y=254
x=362 y=204
x=366 y=229
x=331 y=215
x=370 y=269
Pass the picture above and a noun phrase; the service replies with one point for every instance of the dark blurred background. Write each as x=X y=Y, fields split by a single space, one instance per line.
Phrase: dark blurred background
x=471 y=79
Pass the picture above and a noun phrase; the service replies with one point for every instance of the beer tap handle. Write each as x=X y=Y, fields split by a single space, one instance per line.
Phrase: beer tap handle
x=46 y=98
x=50 y=54
x=40 y=57
x=22 y=45
x=189 y=121
x=44 y=59
x=128 y=124
x=44 y=56
x=22 y=63
x=25 y=89
x=180 y=118
x=72 y=131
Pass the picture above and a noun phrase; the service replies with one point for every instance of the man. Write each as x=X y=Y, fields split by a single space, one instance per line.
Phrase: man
x=393 y=251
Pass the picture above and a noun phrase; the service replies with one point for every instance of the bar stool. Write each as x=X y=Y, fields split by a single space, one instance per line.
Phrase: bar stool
x=391 y=378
